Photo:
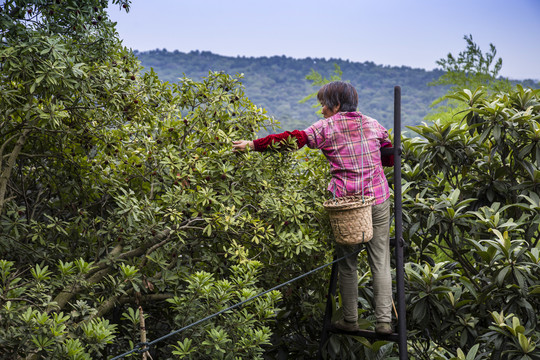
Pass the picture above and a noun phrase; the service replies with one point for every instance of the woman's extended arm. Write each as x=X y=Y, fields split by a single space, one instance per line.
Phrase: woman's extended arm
x=262 y=144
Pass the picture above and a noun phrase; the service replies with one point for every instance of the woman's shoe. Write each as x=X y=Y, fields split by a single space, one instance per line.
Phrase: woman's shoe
x=345 y=325
x=383 y=328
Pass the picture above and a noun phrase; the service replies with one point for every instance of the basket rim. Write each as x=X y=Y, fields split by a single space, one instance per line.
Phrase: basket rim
x=346 y=202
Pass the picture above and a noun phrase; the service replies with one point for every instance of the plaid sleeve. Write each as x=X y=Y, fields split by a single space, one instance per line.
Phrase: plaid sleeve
x=383 y=133
x=316 y=137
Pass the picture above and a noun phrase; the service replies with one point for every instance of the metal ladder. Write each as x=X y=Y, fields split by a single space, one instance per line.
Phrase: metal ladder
x=400 y=336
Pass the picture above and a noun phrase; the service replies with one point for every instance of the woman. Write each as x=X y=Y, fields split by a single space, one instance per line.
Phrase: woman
x=345 y=136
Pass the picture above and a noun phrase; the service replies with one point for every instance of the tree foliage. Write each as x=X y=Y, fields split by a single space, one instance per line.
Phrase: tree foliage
x=471 y=213
x=120 y=191
x=472 y=68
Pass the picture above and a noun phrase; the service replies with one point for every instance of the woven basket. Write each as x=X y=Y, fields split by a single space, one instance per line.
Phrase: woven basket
x=350 y=217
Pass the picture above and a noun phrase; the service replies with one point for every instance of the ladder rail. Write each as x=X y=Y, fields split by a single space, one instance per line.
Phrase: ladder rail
x=400 y=242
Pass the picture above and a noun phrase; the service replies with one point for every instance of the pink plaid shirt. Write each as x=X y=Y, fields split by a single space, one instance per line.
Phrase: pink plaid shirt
x=355 y=158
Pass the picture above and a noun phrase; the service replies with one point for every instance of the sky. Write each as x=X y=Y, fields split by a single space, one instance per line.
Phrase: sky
x=414 y=33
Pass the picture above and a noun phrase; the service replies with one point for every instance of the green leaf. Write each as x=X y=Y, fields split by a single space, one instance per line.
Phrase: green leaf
x=430 y=221
x=502 y=275
x=524 y=343
x=471 y=355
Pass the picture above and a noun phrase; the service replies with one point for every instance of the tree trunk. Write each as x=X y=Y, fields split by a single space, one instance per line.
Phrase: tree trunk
x=5 y=172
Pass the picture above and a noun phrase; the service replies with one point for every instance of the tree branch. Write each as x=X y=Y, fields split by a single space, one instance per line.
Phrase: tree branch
x=104 y=267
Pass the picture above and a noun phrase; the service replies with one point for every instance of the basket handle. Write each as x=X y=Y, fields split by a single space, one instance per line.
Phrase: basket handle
x=361 y=153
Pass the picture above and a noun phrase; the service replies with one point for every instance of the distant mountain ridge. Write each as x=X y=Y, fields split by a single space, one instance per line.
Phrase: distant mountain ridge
x=278 y=83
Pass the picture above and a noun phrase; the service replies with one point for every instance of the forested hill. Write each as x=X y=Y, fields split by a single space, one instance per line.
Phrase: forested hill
x=278 y=83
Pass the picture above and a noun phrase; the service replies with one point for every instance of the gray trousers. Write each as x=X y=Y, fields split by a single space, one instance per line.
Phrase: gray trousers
x=378 y=249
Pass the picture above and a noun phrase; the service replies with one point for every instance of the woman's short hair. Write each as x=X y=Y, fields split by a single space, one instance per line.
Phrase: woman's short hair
x=338 y=93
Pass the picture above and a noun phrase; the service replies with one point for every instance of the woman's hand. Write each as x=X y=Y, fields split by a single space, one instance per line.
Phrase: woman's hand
x=242 y=145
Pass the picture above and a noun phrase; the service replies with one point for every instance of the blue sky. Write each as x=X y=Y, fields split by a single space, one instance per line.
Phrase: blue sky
x=413 y=33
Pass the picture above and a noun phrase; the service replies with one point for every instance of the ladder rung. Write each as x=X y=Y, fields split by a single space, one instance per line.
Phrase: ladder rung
x=368 y=334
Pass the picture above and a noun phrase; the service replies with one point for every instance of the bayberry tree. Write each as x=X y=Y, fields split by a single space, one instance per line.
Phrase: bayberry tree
x=120 y=198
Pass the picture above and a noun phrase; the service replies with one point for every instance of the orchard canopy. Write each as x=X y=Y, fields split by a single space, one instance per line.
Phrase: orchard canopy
x=121 y=193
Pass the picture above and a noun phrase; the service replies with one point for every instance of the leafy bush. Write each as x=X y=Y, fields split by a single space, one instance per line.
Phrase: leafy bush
x=471 y=210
